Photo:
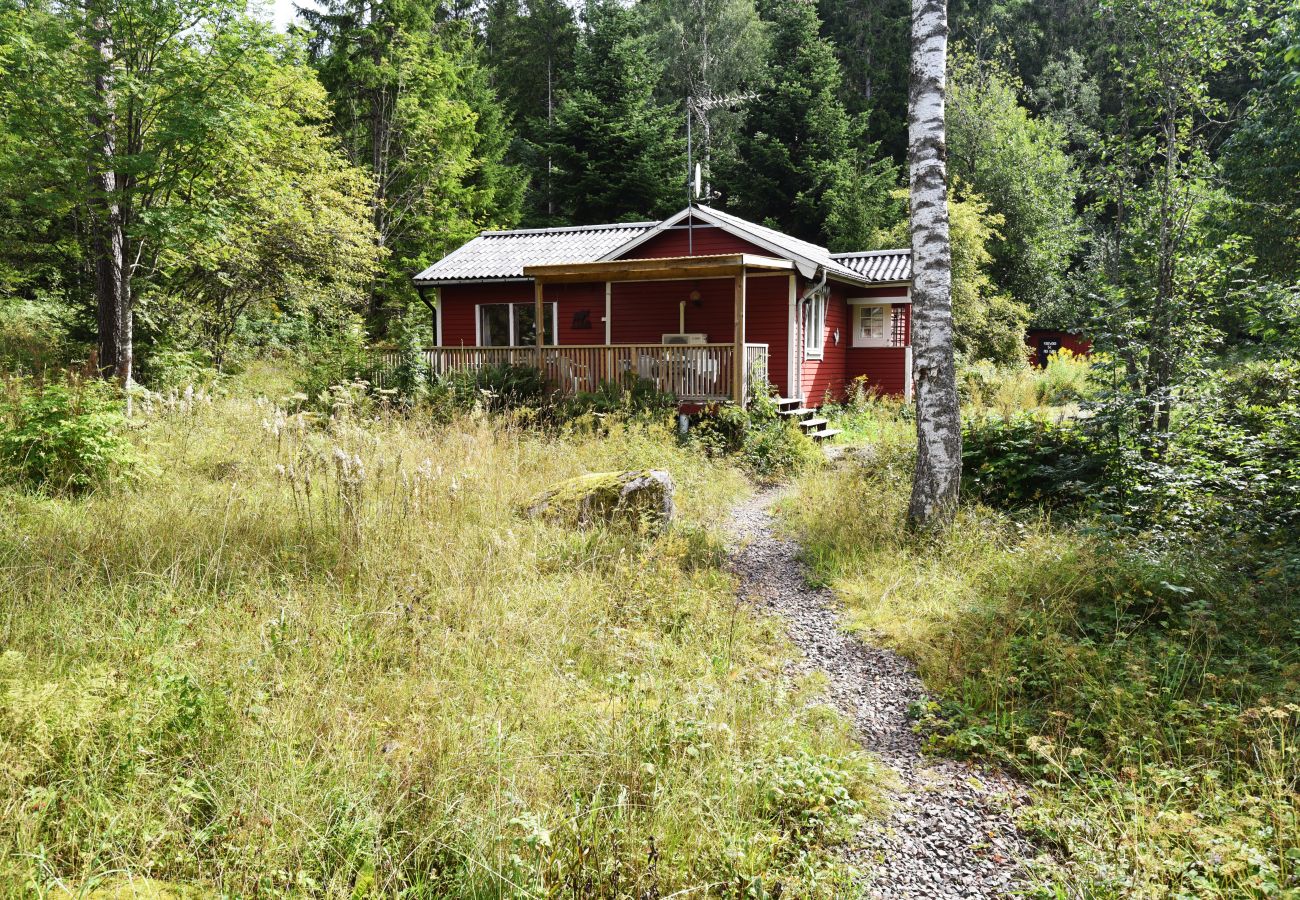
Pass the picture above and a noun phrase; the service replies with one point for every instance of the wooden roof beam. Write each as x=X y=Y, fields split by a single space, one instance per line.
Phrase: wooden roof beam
x=661 y=269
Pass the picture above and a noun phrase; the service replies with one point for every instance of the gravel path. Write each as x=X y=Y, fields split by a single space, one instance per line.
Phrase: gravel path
x=947 y=834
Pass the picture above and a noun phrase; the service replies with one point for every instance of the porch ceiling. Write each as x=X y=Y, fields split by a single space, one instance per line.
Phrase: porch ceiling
x=662 y=269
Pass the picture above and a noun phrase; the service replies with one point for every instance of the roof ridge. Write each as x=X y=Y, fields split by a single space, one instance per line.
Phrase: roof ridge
x=558 y=229
x=859 y=254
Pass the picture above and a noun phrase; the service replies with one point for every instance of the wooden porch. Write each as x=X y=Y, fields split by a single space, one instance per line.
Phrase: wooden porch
x=697 y=373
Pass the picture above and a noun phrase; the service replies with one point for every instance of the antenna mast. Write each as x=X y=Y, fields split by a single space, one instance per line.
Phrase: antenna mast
x=701 y=106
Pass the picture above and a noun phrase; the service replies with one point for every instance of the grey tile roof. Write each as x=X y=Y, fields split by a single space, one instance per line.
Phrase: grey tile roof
x=879 y=265
x=503 y=254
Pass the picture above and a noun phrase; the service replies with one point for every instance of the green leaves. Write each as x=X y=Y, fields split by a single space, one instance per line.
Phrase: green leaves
x=63 y=437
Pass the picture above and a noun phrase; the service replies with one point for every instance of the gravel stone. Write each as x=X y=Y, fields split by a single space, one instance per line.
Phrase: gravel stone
x=949 y=832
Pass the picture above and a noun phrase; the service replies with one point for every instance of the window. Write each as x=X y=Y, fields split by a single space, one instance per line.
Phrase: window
x=814 y=326
x=513 y=325
x=871 y=326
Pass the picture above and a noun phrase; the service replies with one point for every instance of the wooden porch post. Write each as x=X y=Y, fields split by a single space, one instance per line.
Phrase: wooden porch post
x=738 y=354
x=539 y=321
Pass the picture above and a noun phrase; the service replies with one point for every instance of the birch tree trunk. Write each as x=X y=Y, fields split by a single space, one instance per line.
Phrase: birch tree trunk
x=108 y=226
x=937 y=478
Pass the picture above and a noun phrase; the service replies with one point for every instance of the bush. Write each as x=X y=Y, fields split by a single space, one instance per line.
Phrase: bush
x=1066 y=379
x=336 y=356
x=767 y=444
x=1029 y=459
x=33 y=334
x=64 y=437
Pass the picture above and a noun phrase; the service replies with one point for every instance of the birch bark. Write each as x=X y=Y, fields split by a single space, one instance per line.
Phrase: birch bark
x=937 y=478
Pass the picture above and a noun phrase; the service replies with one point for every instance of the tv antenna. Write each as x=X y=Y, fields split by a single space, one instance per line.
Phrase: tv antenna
x=694 y=177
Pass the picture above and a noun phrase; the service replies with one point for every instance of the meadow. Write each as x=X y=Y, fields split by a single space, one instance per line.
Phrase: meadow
x=1143 y=680
x=321 y=654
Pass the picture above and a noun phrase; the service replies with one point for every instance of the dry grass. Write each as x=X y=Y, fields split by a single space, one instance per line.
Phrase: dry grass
x=330 y=659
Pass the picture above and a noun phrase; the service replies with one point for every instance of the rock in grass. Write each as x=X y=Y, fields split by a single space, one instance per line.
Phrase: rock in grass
x=642 y=499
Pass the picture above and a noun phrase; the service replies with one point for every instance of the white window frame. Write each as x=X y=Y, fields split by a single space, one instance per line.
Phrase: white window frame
x=885 y=338
x=555 y=321
x=814 y=327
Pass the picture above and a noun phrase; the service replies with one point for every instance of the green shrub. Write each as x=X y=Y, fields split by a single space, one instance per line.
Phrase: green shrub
x=497 y=388
x=767 y=444
x=336 y=356
x=63 y=437
x=163 y=369
x=1029 y=459
x=1066 y=379
x=34 y=333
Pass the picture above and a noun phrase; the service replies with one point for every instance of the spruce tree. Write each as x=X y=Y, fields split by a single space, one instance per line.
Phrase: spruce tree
x=411 y=105
x=530 y=48
x=617 y=151
x=801 y=164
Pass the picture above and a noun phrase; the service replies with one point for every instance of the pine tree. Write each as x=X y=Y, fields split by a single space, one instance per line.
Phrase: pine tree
x=801 y=164
x=617 y=152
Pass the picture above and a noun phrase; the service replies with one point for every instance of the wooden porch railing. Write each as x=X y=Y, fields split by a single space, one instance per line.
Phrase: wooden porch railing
x=699 y=373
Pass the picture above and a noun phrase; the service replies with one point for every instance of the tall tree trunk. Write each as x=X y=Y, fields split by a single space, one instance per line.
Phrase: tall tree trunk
x=107 y=226
x=937 y=478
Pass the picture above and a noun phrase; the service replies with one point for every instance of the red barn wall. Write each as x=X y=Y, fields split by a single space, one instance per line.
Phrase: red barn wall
x=1075 y=343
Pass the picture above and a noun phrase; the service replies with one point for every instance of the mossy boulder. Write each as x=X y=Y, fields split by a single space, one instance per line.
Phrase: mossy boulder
x=642 y=499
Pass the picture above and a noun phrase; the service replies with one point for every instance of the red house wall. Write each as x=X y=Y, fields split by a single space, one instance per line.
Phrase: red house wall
x=706 y=240
x=458 y=302
x=885 y=368
x=767 y=317
x=823 y=379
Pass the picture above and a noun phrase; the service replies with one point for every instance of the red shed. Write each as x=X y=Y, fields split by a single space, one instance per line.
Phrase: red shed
x=703 y=304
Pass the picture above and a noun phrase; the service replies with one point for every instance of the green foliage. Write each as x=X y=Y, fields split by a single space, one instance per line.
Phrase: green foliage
x=34 y=334
x=801 y=162
x=988 y=324
x=1017 y=163
x=498 y=388
x=332 y=357
x=617 y=152
x=1029 y=459
x=64 y=437
x=530 y=48
x=810 y=798
x=768 y=445
x=413 y=109
x=1145 y=688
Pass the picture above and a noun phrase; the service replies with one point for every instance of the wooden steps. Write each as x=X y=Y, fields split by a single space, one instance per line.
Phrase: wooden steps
x=812 y=424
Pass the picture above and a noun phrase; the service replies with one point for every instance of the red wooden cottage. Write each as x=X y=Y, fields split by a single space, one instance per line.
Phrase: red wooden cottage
x=702 y=303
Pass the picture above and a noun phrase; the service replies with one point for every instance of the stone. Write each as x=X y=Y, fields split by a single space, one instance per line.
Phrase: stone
x=641 y=499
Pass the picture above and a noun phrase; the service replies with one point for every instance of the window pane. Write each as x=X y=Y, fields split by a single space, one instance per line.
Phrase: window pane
x=525 y=325
x=494 y=325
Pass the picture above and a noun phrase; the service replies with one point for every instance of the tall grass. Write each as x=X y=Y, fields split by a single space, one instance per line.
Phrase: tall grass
x=322 y=658
x=1152 y=700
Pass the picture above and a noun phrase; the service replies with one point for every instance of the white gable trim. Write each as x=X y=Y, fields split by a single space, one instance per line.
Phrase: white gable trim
x=806 y=267
x=646 y=235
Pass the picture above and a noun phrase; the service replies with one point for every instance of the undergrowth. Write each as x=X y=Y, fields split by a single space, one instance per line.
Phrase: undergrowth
x=1151 y=695
x=324 y=656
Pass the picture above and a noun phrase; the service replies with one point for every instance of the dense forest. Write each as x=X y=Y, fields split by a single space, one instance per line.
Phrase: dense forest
x=187 y=184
